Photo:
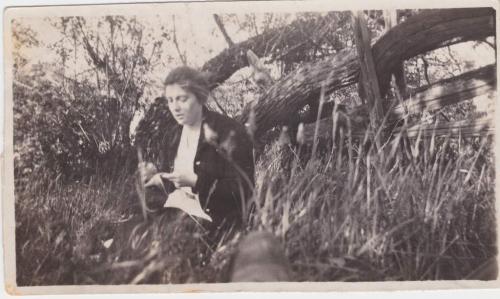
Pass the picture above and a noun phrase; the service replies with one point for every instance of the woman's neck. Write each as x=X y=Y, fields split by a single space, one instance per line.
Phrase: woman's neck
x=197 y=124
x=193 y=127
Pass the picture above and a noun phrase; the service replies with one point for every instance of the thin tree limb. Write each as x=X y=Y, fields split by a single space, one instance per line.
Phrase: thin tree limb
x=426 y=69
x=174 y=39
x=222 y=29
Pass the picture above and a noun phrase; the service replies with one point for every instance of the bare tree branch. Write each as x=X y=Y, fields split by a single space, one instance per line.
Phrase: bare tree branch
x=426 y=69
x=222 y=29
x=454 y=59
x=492 y=45
x=279 y=42
x=132 y=69
x=174 y=39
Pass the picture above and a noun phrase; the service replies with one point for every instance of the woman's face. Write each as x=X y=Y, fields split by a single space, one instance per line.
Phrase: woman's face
x=183 y=105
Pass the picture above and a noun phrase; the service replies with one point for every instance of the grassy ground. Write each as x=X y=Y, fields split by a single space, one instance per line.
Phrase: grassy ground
x=424 y=213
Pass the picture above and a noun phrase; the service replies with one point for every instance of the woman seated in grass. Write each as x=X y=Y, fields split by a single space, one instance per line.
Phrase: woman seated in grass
x=209 y=158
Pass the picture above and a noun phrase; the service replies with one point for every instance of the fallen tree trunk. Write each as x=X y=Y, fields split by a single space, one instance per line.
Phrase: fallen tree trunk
x=280 y=43
x=424 y=32
x=465 y=128
x=350 y=125
x=467 y=86
x=480 y=83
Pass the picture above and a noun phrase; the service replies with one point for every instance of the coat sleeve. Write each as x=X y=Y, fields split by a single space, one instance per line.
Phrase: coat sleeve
x=234 y=174
x=156 y=197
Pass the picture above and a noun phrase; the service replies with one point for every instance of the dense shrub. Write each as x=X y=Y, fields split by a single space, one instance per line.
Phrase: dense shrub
x=73 y=138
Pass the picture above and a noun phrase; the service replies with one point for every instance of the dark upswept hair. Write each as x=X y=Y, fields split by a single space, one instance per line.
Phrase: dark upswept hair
x=191 y=80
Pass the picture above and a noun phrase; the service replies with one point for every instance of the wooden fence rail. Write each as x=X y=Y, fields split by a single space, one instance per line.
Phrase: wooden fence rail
x=476 y=84
x=465 y=128
x=427 y=31
x=470 y=85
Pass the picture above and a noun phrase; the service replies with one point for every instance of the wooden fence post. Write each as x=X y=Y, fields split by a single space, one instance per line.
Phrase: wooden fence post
x=391 y=20
x=368 y=73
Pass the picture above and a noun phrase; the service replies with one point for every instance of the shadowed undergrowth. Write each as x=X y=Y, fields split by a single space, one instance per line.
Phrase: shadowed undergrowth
x=424 y=213
x=365 y=216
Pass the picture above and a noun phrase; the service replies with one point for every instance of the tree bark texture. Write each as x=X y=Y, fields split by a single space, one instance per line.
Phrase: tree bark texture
x=368 y=74
x=233 y=58
x=424 y=32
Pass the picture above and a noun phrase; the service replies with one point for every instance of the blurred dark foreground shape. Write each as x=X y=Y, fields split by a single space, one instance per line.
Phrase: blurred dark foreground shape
x=260 y=257
x=488 y=270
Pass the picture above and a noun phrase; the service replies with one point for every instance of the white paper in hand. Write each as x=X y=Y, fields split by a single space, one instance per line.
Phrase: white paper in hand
x=188 y=202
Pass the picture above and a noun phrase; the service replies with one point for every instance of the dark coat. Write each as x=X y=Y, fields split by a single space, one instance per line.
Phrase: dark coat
x=224 y=182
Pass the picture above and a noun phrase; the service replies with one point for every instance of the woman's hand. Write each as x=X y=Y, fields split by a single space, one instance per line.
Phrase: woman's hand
x=155 y=180
x=181 y=179
x=147 y=170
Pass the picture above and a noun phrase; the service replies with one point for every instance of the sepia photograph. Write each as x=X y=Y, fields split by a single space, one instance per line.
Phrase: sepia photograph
x=216 y=144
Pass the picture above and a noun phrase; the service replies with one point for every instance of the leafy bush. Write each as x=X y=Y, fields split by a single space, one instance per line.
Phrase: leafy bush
x=72 y=138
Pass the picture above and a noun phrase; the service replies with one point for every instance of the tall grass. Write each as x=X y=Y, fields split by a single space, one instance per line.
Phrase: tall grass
x=357 y=216
x=58 y=226
x=423 y=211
